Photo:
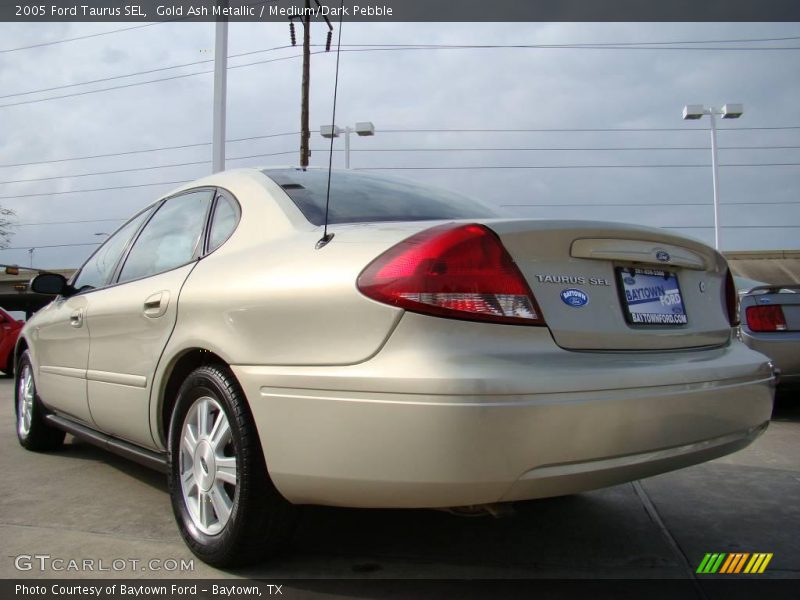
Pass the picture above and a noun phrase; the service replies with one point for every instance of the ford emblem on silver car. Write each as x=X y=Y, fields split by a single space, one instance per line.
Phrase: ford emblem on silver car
x=662 y=256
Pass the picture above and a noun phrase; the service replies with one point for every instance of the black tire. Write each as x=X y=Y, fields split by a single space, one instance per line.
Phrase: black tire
x=261 y=521
x=36 y=435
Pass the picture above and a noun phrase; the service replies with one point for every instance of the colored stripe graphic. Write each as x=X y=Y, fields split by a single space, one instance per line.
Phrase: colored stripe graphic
x=703 y=564
x=740 y=563
x=734 y=563
x=731 y=560
x=758 y=563
x=711 y=563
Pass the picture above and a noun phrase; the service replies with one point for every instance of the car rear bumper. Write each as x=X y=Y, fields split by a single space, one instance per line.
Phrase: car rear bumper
x=783 y=348
x=410 y=430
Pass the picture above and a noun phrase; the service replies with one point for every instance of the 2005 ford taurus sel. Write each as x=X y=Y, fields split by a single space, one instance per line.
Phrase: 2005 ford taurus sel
x=424 y=353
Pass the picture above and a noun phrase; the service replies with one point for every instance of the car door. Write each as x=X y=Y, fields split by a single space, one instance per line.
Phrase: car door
x=131 y=321
x=60 y=335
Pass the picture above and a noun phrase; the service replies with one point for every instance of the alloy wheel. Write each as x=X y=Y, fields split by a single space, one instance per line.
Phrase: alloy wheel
x=25 y=398
x=208 y=465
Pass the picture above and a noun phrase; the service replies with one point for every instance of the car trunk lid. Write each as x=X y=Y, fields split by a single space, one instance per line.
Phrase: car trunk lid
x=617 y=287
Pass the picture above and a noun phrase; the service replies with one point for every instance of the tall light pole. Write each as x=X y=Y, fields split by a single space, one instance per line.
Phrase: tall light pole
x=220 y=94
x=692 y=112
x=364 y=129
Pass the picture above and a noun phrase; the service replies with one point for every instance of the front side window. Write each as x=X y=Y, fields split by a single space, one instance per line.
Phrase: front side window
x=171 y=238
x=99 y=268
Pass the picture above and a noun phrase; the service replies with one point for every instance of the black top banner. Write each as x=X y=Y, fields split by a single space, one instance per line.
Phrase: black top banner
x=401 y=10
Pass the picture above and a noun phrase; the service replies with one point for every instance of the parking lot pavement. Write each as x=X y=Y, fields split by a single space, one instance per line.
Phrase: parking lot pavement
x=82 y=503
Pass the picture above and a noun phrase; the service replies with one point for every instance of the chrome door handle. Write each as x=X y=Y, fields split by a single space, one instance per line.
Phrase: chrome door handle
x=156 y=305
x=76 y=318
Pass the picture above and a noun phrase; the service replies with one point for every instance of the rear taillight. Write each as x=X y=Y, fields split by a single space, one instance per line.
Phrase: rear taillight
x=731 y=300
x=765 y=318
x=456 y=271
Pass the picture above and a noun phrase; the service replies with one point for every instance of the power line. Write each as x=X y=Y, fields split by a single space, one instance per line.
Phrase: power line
x=378 y=47
x=34 y=224
x=412 y=47
x=654 y=166
x=590 y=44
x=593 y=44
x=392 y=47
x=467 y=168
x=290 y=133
x=138 y=83
x=149 y=168
x=368 y=49
x=586 y=130
x=103 y=189
x=128 y=152
x=265 y=155
x=575 y=149
x=147 y=72
x=74 y=39
x=52 y=246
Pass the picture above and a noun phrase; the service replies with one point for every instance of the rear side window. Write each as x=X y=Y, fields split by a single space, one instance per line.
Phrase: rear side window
x=99 y=268
x=361 y=198
x=171 y=238
x=226 y=216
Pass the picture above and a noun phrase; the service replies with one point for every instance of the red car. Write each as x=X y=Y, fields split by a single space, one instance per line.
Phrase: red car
x=9 y=330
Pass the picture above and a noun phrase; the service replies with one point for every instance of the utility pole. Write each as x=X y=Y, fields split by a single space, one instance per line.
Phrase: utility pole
x=305 y=133
x=220 y=94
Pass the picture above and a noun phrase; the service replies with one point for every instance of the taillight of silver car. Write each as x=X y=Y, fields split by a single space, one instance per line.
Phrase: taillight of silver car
x=456 y=271
x=731 y=300
x=765 y=318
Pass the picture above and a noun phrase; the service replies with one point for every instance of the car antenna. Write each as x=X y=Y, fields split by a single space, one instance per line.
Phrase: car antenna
x=327 y=237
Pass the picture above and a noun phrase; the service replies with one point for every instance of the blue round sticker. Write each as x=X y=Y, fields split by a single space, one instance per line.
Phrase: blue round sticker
x=574 y=297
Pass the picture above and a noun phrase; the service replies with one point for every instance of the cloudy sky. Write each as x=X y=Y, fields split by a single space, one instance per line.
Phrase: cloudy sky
x=634 y=92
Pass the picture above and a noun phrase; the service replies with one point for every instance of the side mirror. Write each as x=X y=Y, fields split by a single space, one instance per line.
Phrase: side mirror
x=49 y=283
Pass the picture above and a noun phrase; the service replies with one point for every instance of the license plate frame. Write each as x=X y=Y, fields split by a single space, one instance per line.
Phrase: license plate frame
x=651 y=297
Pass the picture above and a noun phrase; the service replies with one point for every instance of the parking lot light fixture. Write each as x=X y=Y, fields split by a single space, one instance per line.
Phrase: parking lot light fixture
x=362 y=129
x=692 y=112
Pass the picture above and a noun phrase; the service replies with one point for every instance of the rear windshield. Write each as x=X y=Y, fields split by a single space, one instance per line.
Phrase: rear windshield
x=361 y=198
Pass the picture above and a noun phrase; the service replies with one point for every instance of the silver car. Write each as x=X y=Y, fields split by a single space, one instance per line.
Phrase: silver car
x=388 y=345
x=770 y=316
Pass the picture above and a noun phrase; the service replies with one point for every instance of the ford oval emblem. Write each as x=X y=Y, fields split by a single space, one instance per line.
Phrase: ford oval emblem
x=574 y=297
x=629 y=280
x=662 y=256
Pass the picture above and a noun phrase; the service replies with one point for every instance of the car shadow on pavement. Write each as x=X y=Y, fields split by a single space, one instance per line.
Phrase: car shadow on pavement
x=787 y=406
x=78 y=449
x=603 y=531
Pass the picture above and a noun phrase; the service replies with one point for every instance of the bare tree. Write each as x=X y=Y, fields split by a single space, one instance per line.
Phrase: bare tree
x=6 y=226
